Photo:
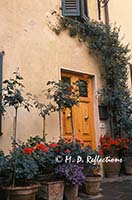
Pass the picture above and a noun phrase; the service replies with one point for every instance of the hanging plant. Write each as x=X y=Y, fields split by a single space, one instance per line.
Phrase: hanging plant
x=105 y=41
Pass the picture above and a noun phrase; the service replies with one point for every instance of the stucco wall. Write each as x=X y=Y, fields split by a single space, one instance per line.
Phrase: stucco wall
x=29 y=44
x=120 y=13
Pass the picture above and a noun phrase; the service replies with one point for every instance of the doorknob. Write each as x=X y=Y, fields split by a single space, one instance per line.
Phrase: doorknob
x=86 y=117
x=69 y=115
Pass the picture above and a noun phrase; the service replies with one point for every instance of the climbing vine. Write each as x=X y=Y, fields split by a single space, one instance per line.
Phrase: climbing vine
x=105 y=41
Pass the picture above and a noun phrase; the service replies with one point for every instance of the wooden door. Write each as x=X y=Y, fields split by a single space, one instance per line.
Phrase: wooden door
x=83 y=117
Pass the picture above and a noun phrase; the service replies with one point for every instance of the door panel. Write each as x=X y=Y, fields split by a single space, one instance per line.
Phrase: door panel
x=83 y=117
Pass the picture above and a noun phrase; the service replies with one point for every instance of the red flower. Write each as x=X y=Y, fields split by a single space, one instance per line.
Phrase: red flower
x=28 y=150
x=125 y=147
x=40 y=146
x=46 y=149
x=52 y=145
x=101 y=152
x=68 y=151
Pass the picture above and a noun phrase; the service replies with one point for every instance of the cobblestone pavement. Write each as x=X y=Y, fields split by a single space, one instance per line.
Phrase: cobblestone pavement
x=114 y=189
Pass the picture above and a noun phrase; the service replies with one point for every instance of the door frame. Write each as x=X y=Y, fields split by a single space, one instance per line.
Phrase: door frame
x=95 y=98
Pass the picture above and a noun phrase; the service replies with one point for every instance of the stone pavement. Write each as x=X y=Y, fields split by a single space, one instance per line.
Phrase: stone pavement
x=114 y=189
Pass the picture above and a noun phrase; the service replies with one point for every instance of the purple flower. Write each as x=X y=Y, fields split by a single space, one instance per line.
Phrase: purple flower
x=72 y=173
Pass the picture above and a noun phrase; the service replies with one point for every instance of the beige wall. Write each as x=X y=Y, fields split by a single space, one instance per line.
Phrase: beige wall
x=121 y=14
x=29 y=44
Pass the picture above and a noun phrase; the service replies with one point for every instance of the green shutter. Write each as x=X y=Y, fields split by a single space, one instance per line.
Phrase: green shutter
x=84 y=9
x=71 y=7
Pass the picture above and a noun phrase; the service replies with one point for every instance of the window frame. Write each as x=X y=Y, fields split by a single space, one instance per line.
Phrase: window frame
x=80 y=11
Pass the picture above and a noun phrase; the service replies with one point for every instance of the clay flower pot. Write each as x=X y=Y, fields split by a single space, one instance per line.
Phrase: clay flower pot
x=112 y=169
x=128 y=165
x=71 y=192
x=51 y=190
x=92 y=185
x=22 y=193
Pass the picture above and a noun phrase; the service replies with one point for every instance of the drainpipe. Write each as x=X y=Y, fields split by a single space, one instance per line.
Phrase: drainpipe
x=1 y=73
x=106 y=12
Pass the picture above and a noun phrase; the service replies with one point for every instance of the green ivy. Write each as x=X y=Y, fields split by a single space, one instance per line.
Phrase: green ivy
x=105 y=41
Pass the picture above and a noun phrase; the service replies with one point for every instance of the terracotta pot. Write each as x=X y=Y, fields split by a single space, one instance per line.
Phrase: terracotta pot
x=112 y=169
x=92 y=185
x=42 y=178
x=128 y=166
x=71 y=192
x=51 y=190
x=22 y=193
x=4 y=180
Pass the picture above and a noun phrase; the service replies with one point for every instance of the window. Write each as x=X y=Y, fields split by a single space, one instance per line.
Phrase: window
x=83 y=88
x=75 y=8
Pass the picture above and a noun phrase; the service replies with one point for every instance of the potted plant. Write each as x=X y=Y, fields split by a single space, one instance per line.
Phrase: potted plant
x=13 y=95
x=65 y=95
x=4 y=169
x=73 y=176
x=126 y=153
x=44 y=111
x=51 y=187
x=23 y=169
x=91 y=165
x=110 y=149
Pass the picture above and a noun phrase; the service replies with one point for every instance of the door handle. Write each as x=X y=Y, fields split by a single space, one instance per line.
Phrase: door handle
x=69 y=115
x=86 y=117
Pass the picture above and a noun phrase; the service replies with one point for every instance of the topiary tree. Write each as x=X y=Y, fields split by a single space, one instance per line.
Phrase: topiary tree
x=13 y=96
x=44 y=110
x=65 y=95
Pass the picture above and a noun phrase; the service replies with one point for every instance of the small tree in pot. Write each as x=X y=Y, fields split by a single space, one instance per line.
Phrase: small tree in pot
x=23 y=170
x=65 y=95
x=44 y=110
x=22 y=165
x=13 y=95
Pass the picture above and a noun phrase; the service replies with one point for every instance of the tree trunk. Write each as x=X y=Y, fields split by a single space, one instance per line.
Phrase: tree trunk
x=72 y=126
x=14 y=128
x=44 y=129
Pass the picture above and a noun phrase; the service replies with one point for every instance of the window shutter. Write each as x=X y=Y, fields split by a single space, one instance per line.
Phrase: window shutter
x=71 y=7
x=84 y=9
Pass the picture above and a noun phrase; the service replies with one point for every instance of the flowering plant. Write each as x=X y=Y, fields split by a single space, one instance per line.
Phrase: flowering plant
x=126 y=151
x=68 y=147
x=45 y=158
x=23 y=167
x=91 y=165
x=72 y=173
x=4 y=164
x=115 y=147
x=44 y=155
